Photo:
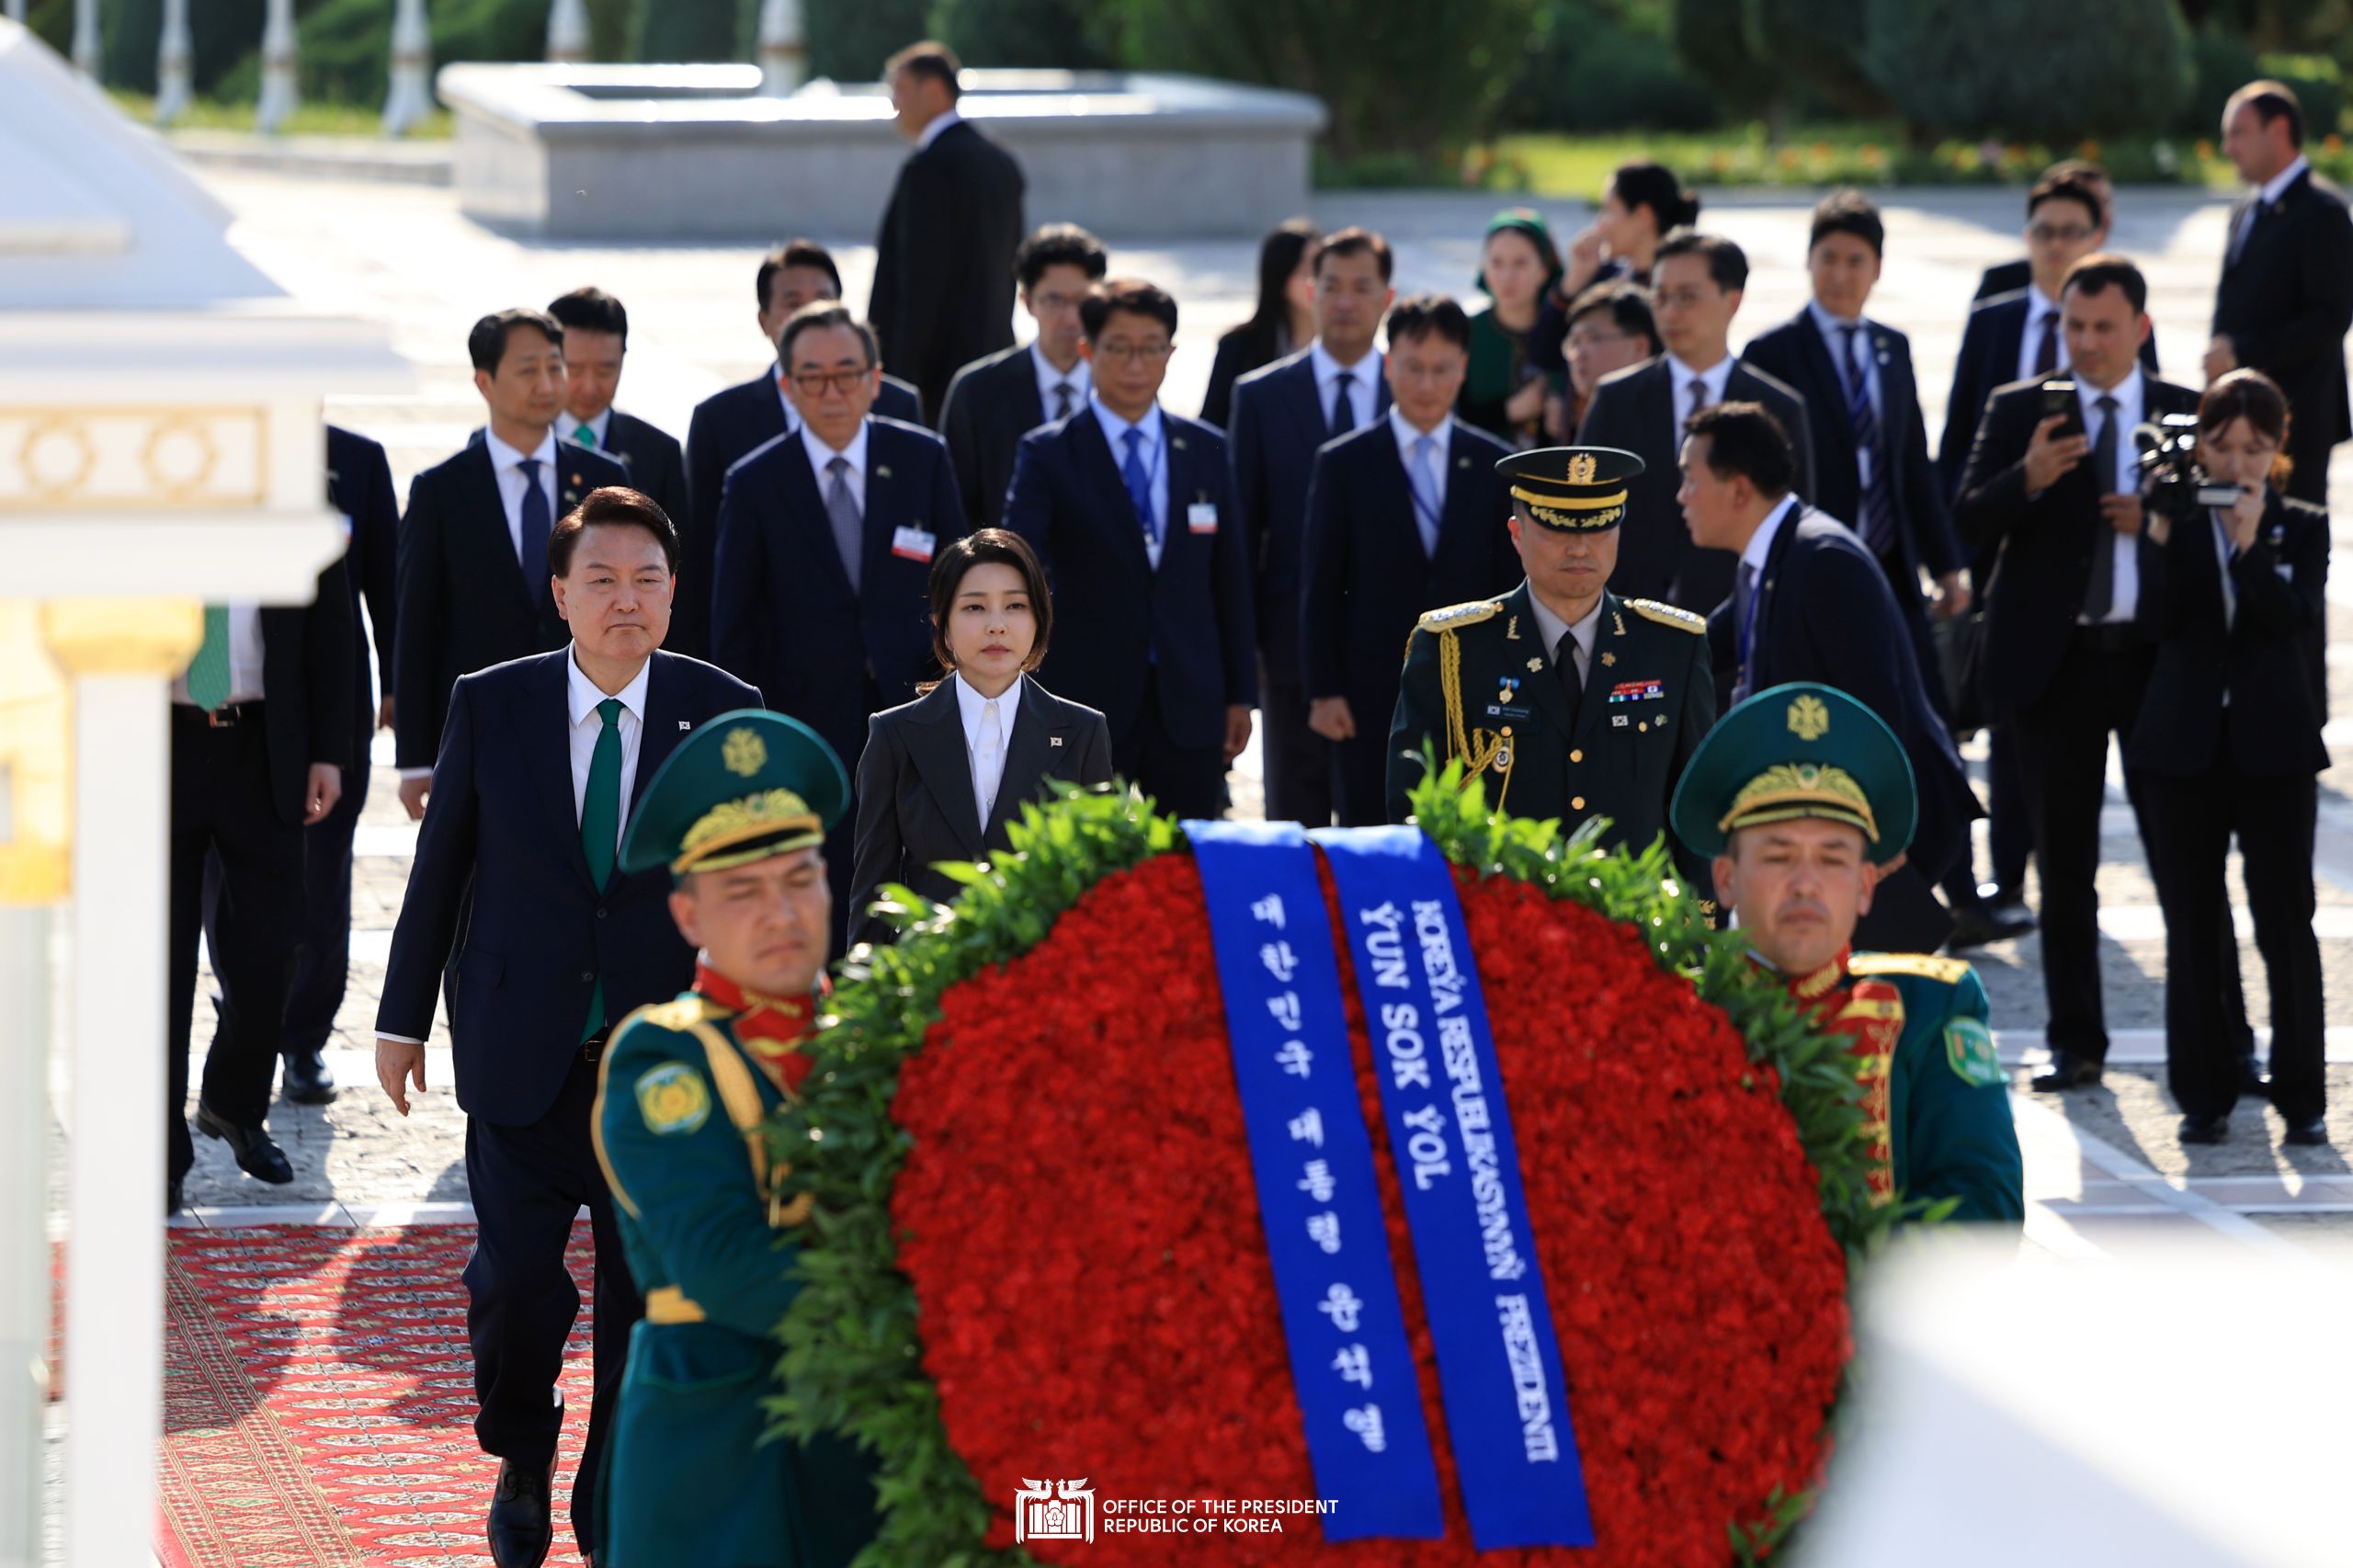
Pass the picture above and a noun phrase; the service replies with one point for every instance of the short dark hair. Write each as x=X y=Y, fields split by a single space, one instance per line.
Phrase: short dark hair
x=1655 y=186
x=2098 y=273
x=1132 y=295
x=797 y=253
x=612 y=506
x=1848 y=212
x=818 y=315
x=2271 y=100
x=983 y=547
x=591 y=309
x=1354 y=241
x=486 y=344
x=2056 y=186
x=2249 y=394
x=930 y=58
x=1627 y=304
x=1744 y=439
x=1060 y=245
x=1727 y=263
x=1422 y=315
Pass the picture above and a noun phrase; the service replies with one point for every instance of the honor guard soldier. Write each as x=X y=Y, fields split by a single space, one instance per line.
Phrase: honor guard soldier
x=1801 y=795
x=1570 y=701
x=739 y=813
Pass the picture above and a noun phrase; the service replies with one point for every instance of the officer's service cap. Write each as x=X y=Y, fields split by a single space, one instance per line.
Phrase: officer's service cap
x=1800 y=750
x=743 y=787
x=1572 y=489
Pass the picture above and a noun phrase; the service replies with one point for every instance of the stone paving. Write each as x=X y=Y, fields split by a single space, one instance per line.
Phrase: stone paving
x=401 y=254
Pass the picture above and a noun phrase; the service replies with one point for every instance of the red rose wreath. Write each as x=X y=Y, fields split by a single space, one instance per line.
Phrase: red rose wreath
x=1037 y=1249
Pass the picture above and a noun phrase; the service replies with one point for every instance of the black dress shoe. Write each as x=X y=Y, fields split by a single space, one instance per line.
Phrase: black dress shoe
x=2067 y=1070
x=307 y=1081
x=2205 y=1129
x=1970 y=928
x=258 y=1157
x=2009 y=915
x=171 y=1198
x=519 y=1530
x=2313 y=1134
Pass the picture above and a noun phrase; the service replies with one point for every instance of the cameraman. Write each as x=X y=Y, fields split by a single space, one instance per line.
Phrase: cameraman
x=2229 y=742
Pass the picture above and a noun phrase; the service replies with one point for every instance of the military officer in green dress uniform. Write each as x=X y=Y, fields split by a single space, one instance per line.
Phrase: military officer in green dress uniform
x=1801 y=795
x=739 y=813
x=1570 y=701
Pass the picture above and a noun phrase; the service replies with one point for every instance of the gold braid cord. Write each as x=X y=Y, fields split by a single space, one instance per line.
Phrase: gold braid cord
x=1479 y=749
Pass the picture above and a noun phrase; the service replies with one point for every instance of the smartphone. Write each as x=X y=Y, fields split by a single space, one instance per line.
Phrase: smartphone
x=2059 y=397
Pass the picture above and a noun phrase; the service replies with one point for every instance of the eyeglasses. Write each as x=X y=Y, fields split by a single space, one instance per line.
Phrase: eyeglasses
x=1590 y=340
x=1046 y=300
x=816 y=383
x=2057 y=234
x=1135 y=353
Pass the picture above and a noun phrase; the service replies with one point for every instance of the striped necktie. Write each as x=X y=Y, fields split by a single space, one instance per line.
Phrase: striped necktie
x=1878 y=521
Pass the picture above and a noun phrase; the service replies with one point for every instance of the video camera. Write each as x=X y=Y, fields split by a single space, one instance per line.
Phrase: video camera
x=2172 y=485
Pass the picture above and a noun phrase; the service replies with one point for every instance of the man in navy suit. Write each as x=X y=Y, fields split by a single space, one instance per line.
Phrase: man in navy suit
x=472 y=575
x=826 y=539
x=1281 y=414
x=726 y=424
x=360 y=485
x=1696 y=281
x=1811 y=602
x=542 y=762
x=1130 y=508
x=2009 y=277
x=596 y=341
x=994 y=401
x=1404 y=516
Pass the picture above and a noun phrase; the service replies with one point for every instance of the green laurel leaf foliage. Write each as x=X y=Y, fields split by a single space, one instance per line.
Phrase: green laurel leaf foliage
x=852 y=1348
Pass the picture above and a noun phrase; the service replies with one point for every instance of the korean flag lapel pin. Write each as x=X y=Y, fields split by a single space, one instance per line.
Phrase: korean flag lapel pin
x=1053 y=741
x=881 y=471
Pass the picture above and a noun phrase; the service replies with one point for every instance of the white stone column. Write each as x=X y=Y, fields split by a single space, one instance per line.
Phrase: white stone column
x=411 y=97
x=281 y=91
x=174 y=64
x=568 y=32
x=86 y=37
x=784 y=54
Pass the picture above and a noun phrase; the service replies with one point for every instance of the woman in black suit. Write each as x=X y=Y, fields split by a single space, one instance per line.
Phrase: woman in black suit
x=1284 y=321
x=942 y=776
x=2228 y=743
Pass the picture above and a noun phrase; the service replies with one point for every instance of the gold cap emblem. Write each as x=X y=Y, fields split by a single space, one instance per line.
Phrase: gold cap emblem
x=1580 y=469
x=744 y=753
x=1809 y=719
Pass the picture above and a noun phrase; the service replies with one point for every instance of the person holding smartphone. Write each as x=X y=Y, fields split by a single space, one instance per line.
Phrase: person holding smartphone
x=2228 y=746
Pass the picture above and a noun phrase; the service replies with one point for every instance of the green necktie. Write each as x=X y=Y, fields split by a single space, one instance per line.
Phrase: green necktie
x=208 y=673
x=586 y=435
x=600 y=824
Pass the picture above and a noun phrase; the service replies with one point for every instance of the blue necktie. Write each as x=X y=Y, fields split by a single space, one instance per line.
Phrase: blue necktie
x=1878 y=521
x=1138 y=483
x=537 y=524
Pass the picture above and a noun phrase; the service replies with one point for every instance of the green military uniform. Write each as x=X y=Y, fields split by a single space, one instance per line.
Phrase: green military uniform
x=1480 y=684
x=1937 y=1101
x=684 y=1087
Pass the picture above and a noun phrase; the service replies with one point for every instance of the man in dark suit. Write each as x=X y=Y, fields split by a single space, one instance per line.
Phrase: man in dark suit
x=1130 y=508
x=596 y=340
x=1404 y=516
x=261 y=734
x=2008 y=277
x=360 y=485
x=943 y=264
x=1281 y=414
x=995 y=402
x=826 y=539
x=514 y=902
x=472 y=576
x=2051 y=484
x=1696 y=283
x=1811 y=602
x=728 y=423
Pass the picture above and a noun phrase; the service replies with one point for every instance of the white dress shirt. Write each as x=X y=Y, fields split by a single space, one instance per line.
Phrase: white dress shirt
x=1426 y=481
x=1361 y=376
x=1845 y=355
x=504 y=462
x=1080 y=377
x=1153 y=453
x=244 y=658
x=1551 y=628
x=1760 y=543
x=601 y=427
x=2129 y=398
x=2039 y=306
x=821 y=457
x=988 y=731
x=932 y=132
x=1680 y=377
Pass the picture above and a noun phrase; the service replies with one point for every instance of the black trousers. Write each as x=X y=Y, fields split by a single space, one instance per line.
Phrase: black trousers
x=323 y=965
x=2010 y=834
x=1361 y=773
x=220 y=807
x=528 y=1185
x=2062 y=762
x=2190 y=824
x=1297 y=760
x=1189 y=781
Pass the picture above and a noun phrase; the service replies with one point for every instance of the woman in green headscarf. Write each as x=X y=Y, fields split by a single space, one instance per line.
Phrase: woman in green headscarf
x=1503 y=393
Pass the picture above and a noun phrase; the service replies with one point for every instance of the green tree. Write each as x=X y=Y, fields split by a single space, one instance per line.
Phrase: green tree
x=1758 y=56
x=850 y=40
x=1074 y=35
x=2030 y=69
x=674 y=31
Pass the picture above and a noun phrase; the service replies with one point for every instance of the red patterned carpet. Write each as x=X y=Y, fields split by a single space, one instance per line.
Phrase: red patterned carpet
x=318 y=1402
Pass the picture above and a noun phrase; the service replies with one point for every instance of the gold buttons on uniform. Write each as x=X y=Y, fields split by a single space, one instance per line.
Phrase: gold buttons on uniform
x=1576 y=802
x=1641 y=729
x=1576 y=756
